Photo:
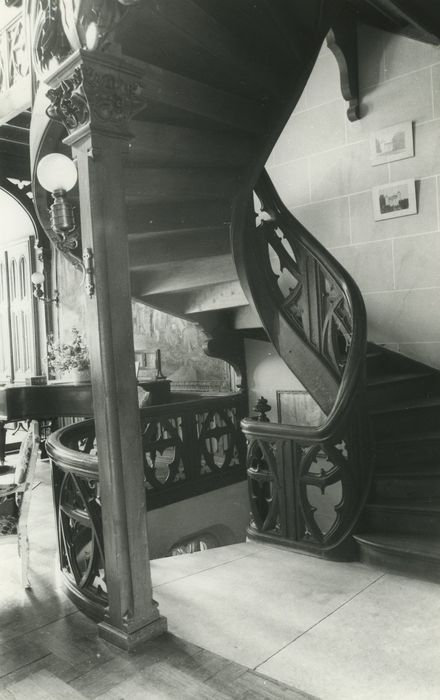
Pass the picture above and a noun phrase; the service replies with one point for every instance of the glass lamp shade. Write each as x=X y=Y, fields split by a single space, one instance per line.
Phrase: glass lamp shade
x=57 y=172
x=37 y=278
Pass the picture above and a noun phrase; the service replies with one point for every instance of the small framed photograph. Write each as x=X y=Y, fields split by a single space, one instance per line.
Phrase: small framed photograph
x=394 y=199
x=393 y=143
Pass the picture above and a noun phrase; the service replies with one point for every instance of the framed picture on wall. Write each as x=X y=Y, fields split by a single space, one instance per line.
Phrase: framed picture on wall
x=394 y=199
x=298 y=408
x=392 y=143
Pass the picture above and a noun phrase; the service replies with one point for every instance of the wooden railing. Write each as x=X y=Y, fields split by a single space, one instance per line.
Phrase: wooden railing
x=191 y=446
x=14 y=53
x=307 y=484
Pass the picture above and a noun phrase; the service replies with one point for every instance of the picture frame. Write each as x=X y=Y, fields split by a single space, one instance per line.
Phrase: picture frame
x=394 y=199
x=297 y=407
x=392 y=143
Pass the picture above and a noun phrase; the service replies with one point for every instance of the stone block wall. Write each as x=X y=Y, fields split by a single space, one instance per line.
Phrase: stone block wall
x=321 y=167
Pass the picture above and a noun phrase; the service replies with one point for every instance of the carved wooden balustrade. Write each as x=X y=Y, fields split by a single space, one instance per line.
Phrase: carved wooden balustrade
x=14 y=54
x=307 y=484
x=191 y=446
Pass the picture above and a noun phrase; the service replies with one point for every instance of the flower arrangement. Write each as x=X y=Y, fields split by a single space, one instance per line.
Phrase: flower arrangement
x=63 y=357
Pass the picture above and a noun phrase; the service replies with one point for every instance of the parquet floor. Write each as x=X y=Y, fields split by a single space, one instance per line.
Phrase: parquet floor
x=49 y=650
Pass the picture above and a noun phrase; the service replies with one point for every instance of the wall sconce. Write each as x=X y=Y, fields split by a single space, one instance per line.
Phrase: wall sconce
x=38 y=282
x=58 y=174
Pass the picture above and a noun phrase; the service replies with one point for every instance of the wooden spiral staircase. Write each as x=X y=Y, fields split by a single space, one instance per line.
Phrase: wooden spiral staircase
x=219 y=80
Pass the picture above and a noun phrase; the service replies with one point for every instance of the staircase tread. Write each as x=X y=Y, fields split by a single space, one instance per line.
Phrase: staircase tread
x=407 y=504
x=398 y=377
x=411 y=437
x=415 y=545
x=407 y=405
x=413 y=472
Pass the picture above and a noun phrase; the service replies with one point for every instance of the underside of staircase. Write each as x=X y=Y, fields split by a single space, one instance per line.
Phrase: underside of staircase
x=220 y=79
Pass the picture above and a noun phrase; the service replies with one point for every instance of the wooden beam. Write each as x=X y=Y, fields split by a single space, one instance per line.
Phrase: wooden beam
x=14 y=134
x=100 y=148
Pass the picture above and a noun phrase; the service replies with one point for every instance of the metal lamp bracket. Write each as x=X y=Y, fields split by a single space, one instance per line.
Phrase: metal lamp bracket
x=89 y=271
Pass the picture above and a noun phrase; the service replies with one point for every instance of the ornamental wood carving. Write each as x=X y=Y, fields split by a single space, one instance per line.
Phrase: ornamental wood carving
x=94 y=95
x=61 y=27
x=307 y=484
x=189 y=447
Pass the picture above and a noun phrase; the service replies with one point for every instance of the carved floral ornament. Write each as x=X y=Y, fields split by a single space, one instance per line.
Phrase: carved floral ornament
x=60 y=27
x=92 y=95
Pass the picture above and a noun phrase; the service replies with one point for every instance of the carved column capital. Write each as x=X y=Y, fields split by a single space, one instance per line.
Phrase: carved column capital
x=95 y=92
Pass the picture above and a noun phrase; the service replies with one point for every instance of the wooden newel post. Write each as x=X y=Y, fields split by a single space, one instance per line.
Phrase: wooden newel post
x=98 y=96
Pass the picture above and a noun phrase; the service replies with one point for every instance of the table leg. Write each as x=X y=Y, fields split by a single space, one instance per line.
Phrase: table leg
x=2 y=442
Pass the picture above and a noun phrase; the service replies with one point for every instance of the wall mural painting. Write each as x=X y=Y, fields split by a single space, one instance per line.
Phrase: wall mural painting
x=181 y=343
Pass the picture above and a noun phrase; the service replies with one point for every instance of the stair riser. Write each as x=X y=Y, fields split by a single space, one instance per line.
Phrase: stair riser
x=415 y=488
x=378 y=366
x=400 y=390
x=410 y=522
x=387 y=425
x=399 y=562
x=402 y=455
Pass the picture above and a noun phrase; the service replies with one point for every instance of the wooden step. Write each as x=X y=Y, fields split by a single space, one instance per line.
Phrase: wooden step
x=149 y=250
x=397 y=418
x=253 y=24
x=184 y=275
x=151 y=185
x=188 y=304
x=407 y=554
x=400 y=386
x=195 y=98
x=169 y=145
x=375 y=361
x=186 y=39
x=404 y=485
x=245 y=318
x=156 y=217
x=382 y=361
x=408 y=448
x=215 y=297
x=403 y=516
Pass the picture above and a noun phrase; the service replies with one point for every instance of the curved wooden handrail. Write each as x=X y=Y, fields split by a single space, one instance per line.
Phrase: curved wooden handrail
x=319 y=327
x=58 y=447
x=353 y=375
x=191 y=446
x=59 y=444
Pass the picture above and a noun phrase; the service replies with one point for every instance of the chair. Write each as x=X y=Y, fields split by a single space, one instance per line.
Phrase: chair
x=18 y=487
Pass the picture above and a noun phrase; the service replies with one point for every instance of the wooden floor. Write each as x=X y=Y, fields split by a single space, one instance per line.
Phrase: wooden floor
x=50 y=650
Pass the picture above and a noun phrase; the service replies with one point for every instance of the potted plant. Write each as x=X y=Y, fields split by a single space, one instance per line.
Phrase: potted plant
x=69 y=361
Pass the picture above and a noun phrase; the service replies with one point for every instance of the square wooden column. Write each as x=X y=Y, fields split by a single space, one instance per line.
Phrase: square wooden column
x=99 y=143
